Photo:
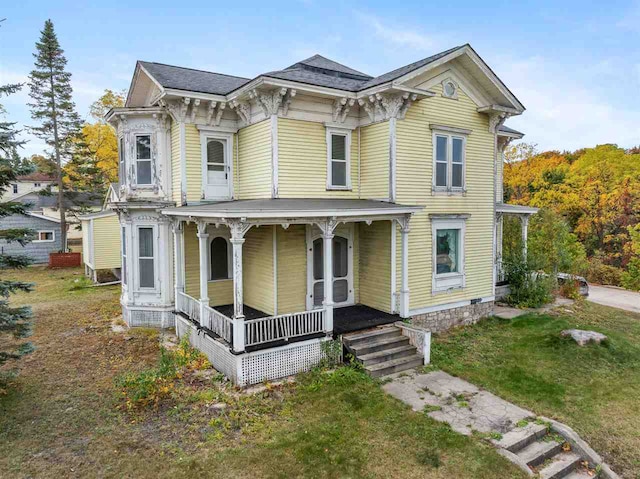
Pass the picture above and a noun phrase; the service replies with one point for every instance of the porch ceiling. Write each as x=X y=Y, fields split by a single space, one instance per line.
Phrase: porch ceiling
x=505 y=208
x=293 y=208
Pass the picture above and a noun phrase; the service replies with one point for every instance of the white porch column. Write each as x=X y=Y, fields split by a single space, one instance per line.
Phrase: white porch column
x=238 y=230
x=203 y=243
x=498 y=239
x=525 y=231
x=404 y=286
x=178 y=249
x=327 y=252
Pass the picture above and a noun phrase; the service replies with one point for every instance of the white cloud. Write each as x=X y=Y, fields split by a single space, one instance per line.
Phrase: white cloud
x=563 y=112
x=400 y=35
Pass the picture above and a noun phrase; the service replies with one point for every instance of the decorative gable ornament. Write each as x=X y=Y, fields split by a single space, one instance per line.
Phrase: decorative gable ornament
x=387 y=106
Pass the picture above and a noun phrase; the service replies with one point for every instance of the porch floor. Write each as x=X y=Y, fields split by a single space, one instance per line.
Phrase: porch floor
x=359 y=317
x=249 y=312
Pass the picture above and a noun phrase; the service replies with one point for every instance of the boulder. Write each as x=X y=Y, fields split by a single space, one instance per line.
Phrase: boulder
x=582 y=337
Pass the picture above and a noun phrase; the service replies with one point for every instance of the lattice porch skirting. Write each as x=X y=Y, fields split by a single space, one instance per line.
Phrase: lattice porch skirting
x=257 y=366
x=148 y=318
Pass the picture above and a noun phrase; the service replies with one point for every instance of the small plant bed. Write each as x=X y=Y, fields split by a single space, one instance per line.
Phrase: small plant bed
x=594 y=389
x=98 y=401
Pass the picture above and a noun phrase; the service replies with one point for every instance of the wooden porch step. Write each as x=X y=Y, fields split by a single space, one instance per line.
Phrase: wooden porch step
x=378 y=344
x=394 y=366
x=387 y=355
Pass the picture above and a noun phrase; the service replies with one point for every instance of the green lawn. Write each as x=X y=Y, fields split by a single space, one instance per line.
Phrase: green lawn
x=593 y=389
x=64 y=416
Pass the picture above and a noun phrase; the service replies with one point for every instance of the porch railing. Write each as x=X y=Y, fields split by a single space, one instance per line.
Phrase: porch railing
x=283 y=327
x=500 y=274
x=218 y=323
x=189 y=306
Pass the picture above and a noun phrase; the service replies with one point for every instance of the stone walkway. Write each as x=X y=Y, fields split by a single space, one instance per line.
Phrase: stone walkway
x=454 y=401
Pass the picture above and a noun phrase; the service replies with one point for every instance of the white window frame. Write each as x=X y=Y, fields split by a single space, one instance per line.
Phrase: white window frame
x=450 y=134
x=224 y=234
x=123 y=267
x=53 y=237
x=136 y=241
x=122 y=175
x=448 y=281
x=150 y=160
x=37 y=185
x=347 y=134
x=227 y=141
x=14 y=188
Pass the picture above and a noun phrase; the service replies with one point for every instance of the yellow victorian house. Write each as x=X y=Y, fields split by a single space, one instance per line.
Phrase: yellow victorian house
x=262 y=217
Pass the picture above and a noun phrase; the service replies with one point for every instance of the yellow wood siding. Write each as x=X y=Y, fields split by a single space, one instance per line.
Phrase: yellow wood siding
x=220 y=292
x=374 y=167
x=375 y=265
x=175 y=162
x=257 y=269
x=302 y=161
x=414 y=177
x=107 y=242
x=193 y=152
x=254 y=161
x=292 y=269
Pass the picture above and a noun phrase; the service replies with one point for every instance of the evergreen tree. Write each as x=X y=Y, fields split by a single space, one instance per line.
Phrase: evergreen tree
x=53 y=107
x=14 y=321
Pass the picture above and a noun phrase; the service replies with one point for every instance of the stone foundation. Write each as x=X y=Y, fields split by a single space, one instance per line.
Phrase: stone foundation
x=438 y=321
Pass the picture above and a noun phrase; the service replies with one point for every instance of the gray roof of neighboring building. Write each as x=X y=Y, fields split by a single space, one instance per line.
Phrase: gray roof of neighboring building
x=188 y=79
x=72 y=200
x=315 y=70
x=287 y=207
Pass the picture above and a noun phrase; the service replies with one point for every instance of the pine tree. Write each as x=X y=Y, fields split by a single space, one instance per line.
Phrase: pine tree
x=53 y=107
x=14 y=321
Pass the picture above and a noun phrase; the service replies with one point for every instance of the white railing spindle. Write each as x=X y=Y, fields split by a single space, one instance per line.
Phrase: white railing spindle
x=283 y=327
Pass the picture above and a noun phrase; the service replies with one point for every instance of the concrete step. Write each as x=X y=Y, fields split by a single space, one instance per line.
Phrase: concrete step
x=394 y=366
x=521 y=437
x=354 y=339
x=578 y=475
x=539 y=451
x=379 y=344
x=387 y=355
x=562 y=465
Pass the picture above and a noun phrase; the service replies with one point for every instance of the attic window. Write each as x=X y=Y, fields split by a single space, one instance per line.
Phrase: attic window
x=449 y=89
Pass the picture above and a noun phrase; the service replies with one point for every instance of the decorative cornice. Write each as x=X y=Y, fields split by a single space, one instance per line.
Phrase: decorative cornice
x=387 y=106
x=243 y=109
x=291 y=93
x=194 y=109
x=496 y=120
x=269 y=101
x=214 y=112
x=341 y=107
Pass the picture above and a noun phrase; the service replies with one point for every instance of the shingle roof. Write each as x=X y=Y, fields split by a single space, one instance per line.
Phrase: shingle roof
x=35 y=176
x=188 y=79
x=506 y=129
x=320 y=62
x=317 y=78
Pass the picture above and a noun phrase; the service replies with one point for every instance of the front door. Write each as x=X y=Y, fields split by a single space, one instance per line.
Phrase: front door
x=217 y=170
x=342 y=271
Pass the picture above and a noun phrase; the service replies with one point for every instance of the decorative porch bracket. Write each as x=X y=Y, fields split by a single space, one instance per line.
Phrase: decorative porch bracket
x=327 y=227
x=238 y=229
x=404 y=286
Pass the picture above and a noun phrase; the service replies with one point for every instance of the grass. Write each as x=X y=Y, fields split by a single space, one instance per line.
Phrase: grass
x=66 y=415
x=594 y=389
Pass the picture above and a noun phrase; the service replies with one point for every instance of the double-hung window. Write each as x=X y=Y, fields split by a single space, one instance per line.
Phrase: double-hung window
x=448 y=253
x=143 y=159
x=449 y=156
x=146 y=258
x=338 y=159
x=14 y=188
x=45 y=237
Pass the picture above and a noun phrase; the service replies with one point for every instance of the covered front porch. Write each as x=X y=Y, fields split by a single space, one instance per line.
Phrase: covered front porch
x=522 y=213
x=252 y=273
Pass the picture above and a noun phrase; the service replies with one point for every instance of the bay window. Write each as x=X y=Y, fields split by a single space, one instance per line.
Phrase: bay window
x=143 y=159
x=146 y=258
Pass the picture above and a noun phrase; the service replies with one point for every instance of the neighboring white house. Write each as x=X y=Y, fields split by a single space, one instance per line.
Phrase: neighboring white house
x=25 y=184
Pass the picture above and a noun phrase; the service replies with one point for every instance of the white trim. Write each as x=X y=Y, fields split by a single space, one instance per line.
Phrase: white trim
x=217 y=129
x=227 y=140
x=330 y=131
x=448 y=281
x=274 y=156
x=136 y=159
x=339 y=126
x=136 y=255
x=97 y=214
x=442 y=307
x=392 y=160
x=275 y=270
x=42 y=217
x=448 y=188
x=52 y=240
x=449 y=129
x=224 y=233
x=394 y=292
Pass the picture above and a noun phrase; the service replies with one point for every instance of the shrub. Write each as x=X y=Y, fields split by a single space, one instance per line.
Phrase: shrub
x=570 y=288
x=528 y=289
x=631 y=278
x=600 y=273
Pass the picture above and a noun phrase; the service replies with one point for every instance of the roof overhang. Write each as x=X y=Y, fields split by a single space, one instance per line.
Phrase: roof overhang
x=116 y=113
x=42 y=217
x=505 y=208
x=97 y=214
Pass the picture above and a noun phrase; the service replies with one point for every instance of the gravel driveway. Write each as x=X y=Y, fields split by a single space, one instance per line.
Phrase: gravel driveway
x=615 y=297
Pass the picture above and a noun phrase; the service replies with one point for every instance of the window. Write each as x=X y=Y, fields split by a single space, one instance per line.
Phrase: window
x=449 y=162
x=143 y=159
x=448 y=253
x=145 y=257
x=15 y=188
x=220 y=259
x=215 y=161
x=123 y=271
x=121 y=172
x=45 y=237
x=449 y=89
x=338 y=160
x=36 y=185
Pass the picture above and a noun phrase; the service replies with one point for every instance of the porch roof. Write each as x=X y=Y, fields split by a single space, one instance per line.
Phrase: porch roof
x=292 y=208
x=515 y=209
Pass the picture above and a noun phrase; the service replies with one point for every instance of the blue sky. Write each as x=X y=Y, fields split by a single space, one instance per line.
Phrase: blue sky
x=575 y=65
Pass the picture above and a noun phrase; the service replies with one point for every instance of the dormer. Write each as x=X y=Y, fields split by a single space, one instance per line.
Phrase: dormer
x=143 y=153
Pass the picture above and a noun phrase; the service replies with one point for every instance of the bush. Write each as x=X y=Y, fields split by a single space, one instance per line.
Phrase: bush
x=528 y=289
x=600 y=273
x=631 y=278
x=570 y=288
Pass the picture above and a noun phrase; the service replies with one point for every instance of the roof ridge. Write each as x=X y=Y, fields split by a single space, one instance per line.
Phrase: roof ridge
x=194 y=69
